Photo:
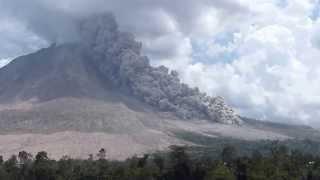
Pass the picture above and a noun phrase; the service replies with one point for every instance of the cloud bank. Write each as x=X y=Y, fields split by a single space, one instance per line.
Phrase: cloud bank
x=261 y=55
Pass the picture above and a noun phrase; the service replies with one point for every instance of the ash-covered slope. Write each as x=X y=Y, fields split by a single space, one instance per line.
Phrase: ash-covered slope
x=54 y=72
x=105 y=60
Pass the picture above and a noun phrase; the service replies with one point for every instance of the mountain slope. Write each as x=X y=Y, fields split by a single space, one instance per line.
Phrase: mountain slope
x=51 y=73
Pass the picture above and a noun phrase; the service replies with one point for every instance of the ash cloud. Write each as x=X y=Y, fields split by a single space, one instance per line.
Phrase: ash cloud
x=44 y=20
x=118 y=57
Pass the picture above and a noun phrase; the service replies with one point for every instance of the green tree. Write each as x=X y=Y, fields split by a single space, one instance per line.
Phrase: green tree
x=3 y=173
x=1 y=160
x=220 y=172
x=229 y=154
x=159 y=162
x=180 y=162
x=42 y=156
x=25 y=164
x=101 y=154
x=12 y=168
x=44 y=168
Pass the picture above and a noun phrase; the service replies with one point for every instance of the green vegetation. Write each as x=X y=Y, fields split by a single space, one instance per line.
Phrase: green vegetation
x=276 y=162
x=211 y=147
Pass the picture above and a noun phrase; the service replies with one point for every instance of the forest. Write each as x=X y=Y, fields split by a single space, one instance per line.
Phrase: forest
x=274 y=160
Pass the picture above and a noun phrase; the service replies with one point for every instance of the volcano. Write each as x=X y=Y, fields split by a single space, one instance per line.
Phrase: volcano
x=101 y=92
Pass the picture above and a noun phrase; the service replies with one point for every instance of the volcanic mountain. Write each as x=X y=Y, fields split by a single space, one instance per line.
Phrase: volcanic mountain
x=100 y=92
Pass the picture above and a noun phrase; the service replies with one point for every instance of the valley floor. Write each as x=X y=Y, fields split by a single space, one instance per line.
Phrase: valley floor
x=120 y=146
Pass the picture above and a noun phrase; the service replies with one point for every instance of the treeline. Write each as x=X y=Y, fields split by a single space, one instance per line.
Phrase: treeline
x=177 y=164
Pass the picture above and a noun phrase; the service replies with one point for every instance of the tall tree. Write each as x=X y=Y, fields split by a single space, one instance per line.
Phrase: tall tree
x=101 y=154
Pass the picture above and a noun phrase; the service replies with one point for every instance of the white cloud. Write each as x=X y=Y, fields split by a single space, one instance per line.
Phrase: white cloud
x=4 y=62
x=275 y=72
x=15 y=39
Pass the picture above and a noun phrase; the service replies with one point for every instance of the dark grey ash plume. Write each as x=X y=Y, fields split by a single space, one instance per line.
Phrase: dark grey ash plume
x=118 y=57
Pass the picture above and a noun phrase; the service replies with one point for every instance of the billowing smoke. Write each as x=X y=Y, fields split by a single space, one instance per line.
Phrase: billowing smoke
x=118 y=57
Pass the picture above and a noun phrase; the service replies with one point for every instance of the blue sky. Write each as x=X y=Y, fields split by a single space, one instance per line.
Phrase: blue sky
x=261 y=55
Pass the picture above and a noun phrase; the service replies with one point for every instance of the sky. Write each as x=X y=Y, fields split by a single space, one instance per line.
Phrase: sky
x=262 y=56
